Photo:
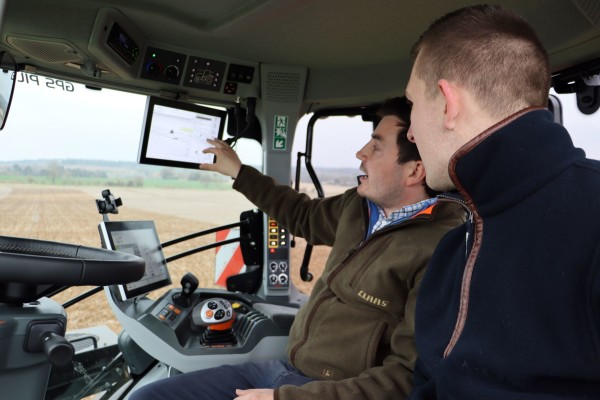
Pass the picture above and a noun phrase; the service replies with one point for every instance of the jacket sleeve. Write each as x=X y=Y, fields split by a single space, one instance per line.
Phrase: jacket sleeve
x=315 y=220
x=392 y=380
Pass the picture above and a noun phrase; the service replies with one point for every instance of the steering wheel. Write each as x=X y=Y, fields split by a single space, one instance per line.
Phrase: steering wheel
x=31 y=268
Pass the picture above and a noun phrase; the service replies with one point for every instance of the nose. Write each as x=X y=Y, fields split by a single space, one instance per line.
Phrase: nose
x=409 y=135
x=361 y=154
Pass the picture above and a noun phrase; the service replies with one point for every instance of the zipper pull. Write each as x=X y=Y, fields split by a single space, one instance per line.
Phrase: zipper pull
x=467 y=235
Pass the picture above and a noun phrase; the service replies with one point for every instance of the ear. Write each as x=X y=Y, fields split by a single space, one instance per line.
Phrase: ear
x=451 y=98
x=416 y=175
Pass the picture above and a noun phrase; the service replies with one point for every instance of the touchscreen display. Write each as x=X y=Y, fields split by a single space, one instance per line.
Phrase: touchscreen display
x=139 y=238
x=175 y=133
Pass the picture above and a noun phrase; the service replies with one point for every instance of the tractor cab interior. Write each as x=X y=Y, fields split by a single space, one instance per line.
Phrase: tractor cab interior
x=260 y=74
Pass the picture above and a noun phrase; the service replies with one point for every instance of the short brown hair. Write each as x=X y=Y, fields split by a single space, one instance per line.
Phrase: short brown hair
x=492 y=51
x=399 y=107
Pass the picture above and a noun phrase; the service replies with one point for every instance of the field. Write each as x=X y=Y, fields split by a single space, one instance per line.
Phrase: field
x=69 y=214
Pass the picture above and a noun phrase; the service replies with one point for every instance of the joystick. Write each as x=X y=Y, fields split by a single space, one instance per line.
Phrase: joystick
x=216 y=315
x=189 y=283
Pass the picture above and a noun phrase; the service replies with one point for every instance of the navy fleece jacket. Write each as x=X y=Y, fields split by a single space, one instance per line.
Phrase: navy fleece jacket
x=510 y=305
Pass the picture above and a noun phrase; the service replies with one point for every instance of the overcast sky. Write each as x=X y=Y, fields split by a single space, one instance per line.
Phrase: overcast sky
x=48 y=121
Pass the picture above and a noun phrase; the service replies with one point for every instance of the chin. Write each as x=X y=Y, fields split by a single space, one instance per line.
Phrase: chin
x=443 y=185
x=440 y=184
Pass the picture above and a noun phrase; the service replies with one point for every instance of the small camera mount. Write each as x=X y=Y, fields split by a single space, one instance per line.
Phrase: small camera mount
x=110 y=204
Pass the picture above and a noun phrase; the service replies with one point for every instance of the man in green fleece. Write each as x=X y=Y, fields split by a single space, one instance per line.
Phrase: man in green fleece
x=354 y=337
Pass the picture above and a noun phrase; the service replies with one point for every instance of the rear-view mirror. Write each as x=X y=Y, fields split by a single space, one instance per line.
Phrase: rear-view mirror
x=7 y=84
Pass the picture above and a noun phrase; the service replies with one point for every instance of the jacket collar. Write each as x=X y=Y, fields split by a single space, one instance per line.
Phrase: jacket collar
x=511 y=159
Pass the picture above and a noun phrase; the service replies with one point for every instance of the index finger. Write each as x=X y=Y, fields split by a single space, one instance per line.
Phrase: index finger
x=215 y=141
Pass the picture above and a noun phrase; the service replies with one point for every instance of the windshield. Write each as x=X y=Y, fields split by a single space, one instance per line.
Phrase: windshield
x=63 y=144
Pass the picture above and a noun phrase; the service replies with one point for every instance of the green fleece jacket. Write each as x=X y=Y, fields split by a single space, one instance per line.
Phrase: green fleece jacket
x=355 y=334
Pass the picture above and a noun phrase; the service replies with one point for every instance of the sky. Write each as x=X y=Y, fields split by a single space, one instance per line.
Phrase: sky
x=47 y=121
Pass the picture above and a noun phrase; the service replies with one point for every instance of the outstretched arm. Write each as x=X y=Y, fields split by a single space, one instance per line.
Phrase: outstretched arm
x=227 y=162
x=296 y=211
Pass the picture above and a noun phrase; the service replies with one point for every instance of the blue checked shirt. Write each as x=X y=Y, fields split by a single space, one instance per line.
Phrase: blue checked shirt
x=378 y=220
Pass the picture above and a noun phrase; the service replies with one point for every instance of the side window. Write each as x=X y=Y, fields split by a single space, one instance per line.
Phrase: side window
x=582 y=128
x=336 y=140
x=335 y=143
x=250 y=152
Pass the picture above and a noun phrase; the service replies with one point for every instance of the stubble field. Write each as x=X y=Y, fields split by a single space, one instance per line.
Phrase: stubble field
x=69 y=214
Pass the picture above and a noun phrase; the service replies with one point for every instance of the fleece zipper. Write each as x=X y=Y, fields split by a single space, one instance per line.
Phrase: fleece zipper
x=473 y=237
x=476 y=223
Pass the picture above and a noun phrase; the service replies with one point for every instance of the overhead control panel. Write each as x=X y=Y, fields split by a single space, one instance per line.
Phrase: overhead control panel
x=200 y=73
x=117 y=43
x=237 y=74
x=123 y=44
x=163 y=65
x=205 y=74
x=240 y=73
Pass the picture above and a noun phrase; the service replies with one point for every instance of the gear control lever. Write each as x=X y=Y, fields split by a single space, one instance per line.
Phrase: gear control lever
x=189 y=284
x=216 y=315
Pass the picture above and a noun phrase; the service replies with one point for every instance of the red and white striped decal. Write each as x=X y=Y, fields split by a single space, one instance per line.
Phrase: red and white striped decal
x=228 y=260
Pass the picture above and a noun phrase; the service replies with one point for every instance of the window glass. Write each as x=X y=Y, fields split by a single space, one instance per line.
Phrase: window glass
x=584 y=129
x=336 y=140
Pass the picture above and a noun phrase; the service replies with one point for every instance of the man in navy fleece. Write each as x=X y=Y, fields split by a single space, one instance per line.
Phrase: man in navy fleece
x=510 y=305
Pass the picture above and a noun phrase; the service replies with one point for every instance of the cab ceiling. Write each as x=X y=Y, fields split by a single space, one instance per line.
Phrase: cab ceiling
x=355 y=51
